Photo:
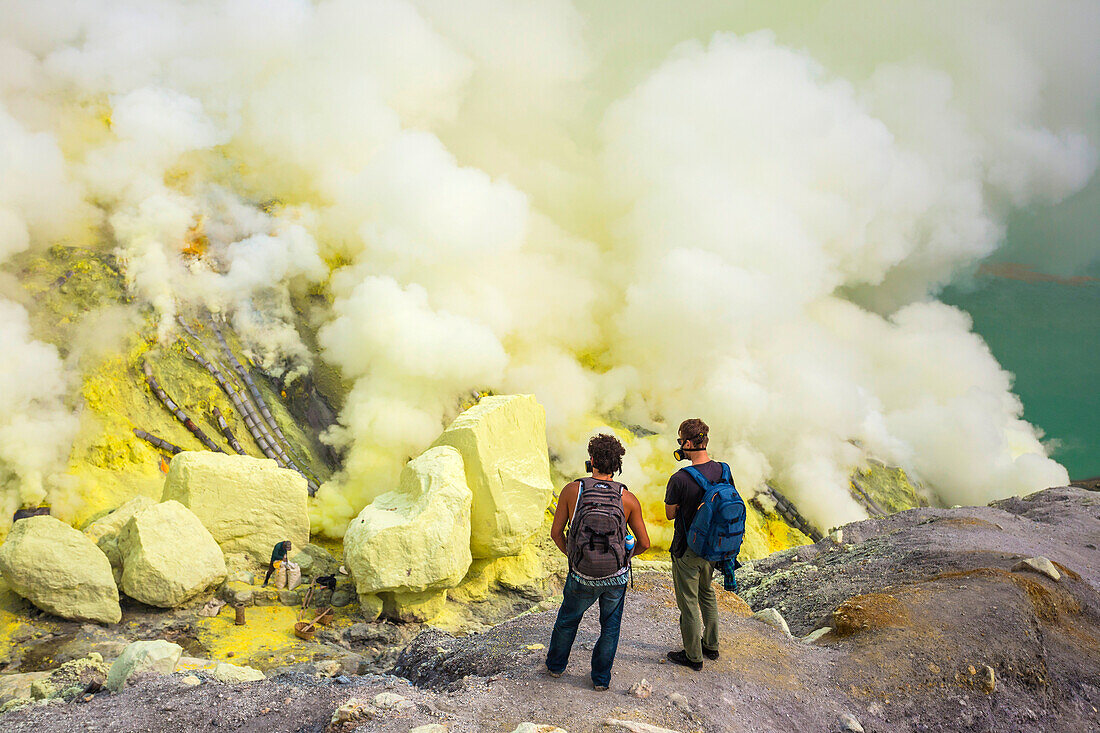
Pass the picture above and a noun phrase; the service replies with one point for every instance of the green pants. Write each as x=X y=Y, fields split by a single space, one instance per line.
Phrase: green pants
x=698 y=605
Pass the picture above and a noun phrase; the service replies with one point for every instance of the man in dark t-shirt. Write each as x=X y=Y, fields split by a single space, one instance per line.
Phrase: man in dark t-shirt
x=691 y=574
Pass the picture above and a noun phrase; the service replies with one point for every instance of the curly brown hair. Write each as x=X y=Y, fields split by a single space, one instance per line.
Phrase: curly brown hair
x=606 y=453
x=695 y=430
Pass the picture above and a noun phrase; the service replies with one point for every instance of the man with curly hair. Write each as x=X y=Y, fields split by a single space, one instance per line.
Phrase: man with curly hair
x=598 y=511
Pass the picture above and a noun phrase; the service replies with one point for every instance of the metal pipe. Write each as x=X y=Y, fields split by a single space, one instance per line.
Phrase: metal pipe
x=187 y=329
x=264 y=417
x=224 y=427
x=158 y=442
x=792 y=516
x=175 y=410
x=869 y=504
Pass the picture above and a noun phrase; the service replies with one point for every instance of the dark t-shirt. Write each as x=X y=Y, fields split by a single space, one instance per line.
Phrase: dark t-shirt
x=685 y=492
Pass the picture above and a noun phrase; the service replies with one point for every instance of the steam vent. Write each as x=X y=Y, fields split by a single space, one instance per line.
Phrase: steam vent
x=549 y=366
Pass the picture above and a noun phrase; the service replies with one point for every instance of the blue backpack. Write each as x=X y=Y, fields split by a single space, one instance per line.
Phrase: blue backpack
x=716 y=531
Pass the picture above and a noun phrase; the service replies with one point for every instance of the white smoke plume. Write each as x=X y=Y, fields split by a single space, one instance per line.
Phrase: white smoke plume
x=640 y=211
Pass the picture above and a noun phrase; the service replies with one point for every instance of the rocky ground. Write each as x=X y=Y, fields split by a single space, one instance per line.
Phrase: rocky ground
x=933 y=626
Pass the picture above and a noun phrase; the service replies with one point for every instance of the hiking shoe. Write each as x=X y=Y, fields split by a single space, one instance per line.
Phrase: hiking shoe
x=552 y=673
x=599 y=688
x=680 y=657
x=710 y=653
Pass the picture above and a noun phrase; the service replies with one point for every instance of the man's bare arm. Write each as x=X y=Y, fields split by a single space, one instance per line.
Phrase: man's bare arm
x=670 y=510
x=636 y=523
x=561 y=515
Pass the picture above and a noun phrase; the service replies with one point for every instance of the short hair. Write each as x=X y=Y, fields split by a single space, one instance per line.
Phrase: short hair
x=606 y=453
x=695 y=430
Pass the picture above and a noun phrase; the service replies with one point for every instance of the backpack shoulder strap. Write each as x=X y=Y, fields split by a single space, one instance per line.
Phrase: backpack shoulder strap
x=577 y=503
x=727 y=476
x=699 y=478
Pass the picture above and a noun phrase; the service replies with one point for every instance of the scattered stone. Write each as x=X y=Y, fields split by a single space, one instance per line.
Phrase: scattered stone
x=635 y=727
x=392 y=701
x=168 y=557
x=681 y=703
x=641 y=689
x=191 y=681
x=160 y=657
x=237 y=593
x=289 y=597
x=773 y=618
x=1039 y=564
x=502 y=440
x=849 y=724
x=534 y=647
x=413 y=543
x=17 y=686
x=226 y=672
x=352 y=711
x=538 y=728
x=988 y=679
x=813 y=636
x=248 y=504
x=341 y=598
x=430 y=728
x=59 y=570
x=328 y=668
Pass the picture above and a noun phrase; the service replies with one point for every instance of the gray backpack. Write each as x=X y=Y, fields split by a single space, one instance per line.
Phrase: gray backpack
x=596 y=542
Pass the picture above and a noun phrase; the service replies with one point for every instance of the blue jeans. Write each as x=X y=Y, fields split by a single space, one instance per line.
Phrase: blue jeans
x=577 y=599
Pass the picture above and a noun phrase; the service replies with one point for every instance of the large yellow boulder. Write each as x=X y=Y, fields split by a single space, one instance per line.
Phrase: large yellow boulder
x=416 y=539
x=248 y=504
x=105 y=530
x=168 y=557
x=61 y=571
x=502 y=440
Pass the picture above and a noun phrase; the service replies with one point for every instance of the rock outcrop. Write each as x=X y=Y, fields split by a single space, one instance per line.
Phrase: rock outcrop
x=414 y=540
x=502 y=440
x=168 y=556
x=248 y=504
x=159 y=657
x=60 y=570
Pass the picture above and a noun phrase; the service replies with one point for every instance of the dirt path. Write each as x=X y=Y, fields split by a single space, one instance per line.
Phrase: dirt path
x=933 y=631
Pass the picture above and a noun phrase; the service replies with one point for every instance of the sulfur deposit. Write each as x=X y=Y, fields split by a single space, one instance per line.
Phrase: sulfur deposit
x=248 y=504
x=61 y=571
x=168 y=557
x=416 y=539
x=502 y=440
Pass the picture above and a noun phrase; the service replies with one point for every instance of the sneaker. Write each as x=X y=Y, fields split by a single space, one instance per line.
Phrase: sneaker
x=599 y=688
x=552 y=673
x=710 y=653
x=680 y=657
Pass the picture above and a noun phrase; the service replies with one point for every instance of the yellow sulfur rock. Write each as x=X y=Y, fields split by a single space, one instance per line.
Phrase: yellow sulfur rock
x=417 y=538
x=168 y=557
x=413 y=607
x=248 y=504
x=61 y=571
x=105 y=530
x=502 y=440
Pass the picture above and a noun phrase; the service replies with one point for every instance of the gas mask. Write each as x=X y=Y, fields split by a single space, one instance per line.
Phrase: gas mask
x=681 y=453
